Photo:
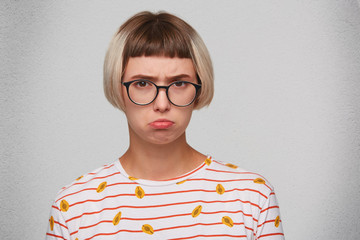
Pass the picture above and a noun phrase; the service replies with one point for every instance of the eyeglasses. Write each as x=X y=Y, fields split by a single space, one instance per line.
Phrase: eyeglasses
x=179 y=93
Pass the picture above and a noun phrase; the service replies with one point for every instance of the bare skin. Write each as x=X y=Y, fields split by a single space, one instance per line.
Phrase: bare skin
x=160 y=162
x=159 y=154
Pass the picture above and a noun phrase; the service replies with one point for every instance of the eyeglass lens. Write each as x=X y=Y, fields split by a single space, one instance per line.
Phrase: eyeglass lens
x=179 y=93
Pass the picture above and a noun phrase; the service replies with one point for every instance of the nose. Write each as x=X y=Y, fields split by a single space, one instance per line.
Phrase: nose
x=161 y=103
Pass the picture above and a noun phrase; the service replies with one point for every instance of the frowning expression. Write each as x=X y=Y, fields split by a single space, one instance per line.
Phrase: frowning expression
x=159 y=122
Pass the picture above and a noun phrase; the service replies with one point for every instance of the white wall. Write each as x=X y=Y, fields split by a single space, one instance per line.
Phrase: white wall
x=287 y=103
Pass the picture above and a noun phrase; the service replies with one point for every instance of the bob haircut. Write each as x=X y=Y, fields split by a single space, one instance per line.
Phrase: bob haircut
x=156 y=34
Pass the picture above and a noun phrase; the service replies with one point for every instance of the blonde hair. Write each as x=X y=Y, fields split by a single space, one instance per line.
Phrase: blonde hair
x=156 y=34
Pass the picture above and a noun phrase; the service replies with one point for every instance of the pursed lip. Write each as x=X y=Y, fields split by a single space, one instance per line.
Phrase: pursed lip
x=161 y=124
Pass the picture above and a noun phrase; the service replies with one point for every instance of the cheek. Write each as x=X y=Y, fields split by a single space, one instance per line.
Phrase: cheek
x=186 y=116
x=134 y=116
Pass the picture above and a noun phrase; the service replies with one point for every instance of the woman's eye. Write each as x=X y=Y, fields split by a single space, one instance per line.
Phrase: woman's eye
x=141 y=84
x=179 y=84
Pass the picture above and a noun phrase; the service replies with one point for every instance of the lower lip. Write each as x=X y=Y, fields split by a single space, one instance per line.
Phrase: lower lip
x=161 y=124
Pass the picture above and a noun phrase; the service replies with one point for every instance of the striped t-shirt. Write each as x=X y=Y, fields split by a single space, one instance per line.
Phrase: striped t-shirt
x=214 y=201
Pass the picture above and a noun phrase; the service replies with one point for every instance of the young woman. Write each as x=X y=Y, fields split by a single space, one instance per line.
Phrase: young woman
x=157 y=71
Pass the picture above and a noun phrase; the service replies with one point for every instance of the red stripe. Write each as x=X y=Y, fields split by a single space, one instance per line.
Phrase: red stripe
x=155 y=194
x=268 y=208
x=203 y=190
x=192 y=225
x=168 y=216
x=104 y=167
x=249 y=228
x=62 y=225
x=218 y=180
x=93 y=173
x=214 y=235
x=240 y=211
x=220 y=163
x=131 y=183
x=268 y=186
x=269 y=221
x=247 y=189
x=55 y=207
x=108 y=234
x=99 y=200
x=230 y=180
x=224 y=164
x=223 y=171
x=80 y=183
x=53 y=235
x=163 y=229
x=162 y=205
x=164 y=193
x=154 y=218
x=271 y=234
x=134 y=219
x=93 y=225
x=186 y=174
x=214 y=170
x=89 y=189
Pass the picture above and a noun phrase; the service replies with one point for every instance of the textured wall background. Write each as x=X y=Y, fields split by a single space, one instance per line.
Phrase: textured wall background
x=286 y=103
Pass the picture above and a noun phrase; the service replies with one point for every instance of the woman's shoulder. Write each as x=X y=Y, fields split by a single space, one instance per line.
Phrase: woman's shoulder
x=97 y=180
x=230 y=172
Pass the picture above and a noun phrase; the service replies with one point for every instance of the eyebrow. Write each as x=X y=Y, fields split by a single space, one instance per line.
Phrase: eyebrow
x=172 y=78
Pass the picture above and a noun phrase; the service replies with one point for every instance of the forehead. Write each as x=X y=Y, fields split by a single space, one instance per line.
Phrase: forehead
x=159 y=67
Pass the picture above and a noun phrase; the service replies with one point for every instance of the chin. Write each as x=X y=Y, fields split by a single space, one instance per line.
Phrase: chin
x=163 y=139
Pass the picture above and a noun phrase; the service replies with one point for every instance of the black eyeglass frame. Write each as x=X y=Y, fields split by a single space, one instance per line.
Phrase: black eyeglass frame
x=127 y=85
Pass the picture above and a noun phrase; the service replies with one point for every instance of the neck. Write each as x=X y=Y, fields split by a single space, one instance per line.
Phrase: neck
x=160 y=161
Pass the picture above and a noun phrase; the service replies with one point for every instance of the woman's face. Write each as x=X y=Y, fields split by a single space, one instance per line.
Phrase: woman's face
x=159 y=122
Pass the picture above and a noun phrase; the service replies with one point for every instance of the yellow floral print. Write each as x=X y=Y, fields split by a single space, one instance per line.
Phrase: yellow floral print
x=220 y=189
x=196 y=212
x=277 y=221
x=101 y=187
x=64 y=205
x=227 y=221
x=146 y=228
x=139 y=192
x=259 y=181
x=116 y=219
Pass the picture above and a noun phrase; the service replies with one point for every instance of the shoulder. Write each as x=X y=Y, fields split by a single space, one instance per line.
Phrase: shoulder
x=232 y=173
x=94 y=180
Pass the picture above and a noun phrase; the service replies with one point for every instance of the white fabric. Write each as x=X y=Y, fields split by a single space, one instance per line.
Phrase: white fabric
x=214 y=201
